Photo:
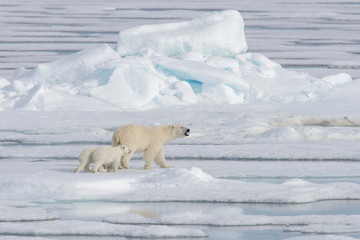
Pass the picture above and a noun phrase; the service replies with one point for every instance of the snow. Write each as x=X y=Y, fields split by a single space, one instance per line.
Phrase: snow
x=43 y=183
x=23 y=238
x=261 y=135
x=324 y=237
x=233 y=217
x=9 y=213
x=82 y=228
x=39 y=156
x=176 y=184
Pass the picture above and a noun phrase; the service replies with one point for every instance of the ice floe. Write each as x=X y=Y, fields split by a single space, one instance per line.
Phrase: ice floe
x=88 y=228
x=329 y=224
x=17 y=212
x=201 y=61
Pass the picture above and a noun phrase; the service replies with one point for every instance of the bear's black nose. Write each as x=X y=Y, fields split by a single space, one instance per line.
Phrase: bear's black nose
x=187 y=132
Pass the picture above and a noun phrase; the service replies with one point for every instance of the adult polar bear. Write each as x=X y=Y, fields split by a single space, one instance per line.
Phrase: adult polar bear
x=149 y=140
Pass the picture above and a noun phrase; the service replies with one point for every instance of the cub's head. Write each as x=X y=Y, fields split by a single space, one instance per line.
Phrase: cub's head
x=180 y=131
x=125 y=149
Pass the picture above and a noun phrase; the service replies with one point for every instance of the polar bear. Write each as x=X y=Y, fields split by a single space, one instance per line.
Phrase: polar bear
x=149 y=140
x=86 y=158
x=108 y=156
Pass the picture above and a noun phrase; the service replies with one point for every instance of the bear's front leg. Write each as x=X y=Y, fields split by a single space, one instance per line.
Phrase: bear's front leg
x=116 y=164
x=125 y=159
x=160 y=159
x=149 y=156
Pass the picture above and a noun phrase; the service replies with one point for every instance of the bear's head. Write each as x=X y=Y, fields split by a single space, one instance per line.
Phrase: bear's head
x=125 y=149
x=179 y=131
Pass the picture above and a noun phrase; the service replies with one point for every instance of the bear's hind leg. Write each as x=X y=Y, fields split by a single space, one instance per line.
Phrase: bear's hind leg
x=96 y=166
x=80 y=167
x=87 y=169
x=103 y=169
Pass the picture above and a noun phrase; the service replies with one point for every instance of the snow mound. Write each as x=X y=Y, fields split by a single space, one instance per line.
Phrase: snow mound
x=214 y=34
x=201 y=61
x=173 y=176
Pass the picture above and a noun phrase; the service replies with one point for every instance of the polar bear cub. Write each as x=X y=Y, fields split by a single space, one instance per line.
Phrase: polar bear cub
x=149 y=140
x=108 y=155
x=102 y=158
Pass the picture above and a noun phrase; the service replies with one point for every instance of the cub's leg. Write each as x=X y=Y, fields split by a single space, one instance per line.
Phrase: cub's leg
x=85 y=158
x=115 y=164
x=87 y=169
x=97 y=164
x=103 y=169
x=125 y=159
x=80 y=167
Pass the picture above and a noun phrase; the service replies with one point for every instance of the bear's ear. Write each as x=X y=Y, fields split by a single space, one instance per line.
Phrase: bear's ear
x=172 y=126
x=122 y=147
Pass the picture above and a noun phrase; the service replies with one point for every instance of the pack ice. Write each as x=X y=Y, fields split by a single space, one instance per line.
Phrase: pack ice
x=201 y=61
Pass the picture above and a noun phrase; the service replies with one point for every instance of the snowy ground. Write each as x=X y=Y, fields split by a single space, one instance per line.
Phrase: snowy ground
x=222 y=183
x=272 y=153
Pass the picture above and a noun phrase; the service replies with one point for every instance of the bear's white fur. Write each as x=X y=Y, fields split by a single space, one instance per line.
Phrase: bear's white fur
x=149 y=140
x=86 y=158
x=108 y=155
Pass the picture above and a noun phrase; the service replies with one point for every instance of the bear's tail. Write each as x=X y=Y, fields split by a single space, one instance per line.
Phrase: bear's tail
x=115 y=139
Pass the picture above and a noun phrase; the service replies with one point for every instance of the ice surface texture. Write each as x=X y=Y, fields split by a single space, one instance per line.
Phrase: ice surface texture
x=202 y=61
x=86 y=228
x=219 y=34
